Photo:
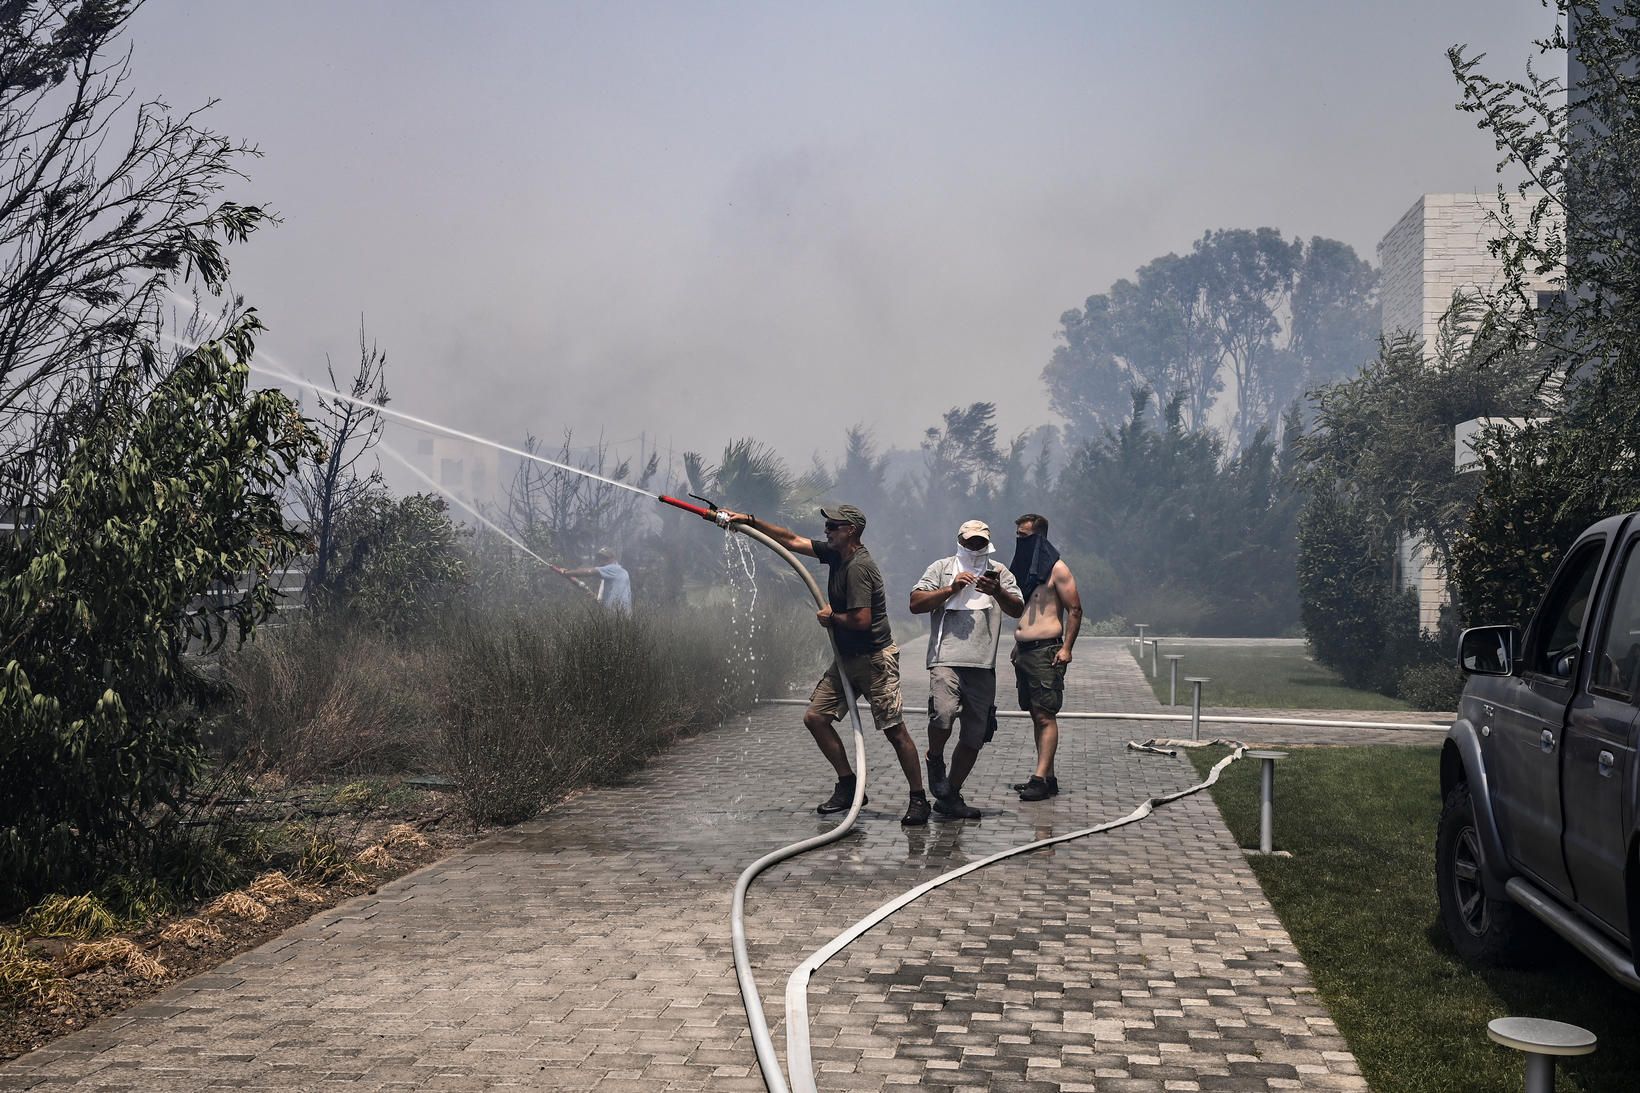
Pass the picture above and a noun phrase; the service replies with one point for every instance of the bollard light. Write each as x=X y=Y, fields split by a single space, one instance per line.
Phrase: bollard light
x=1540 y=1041
x=1140 y=640
x=1266 y=797
x=1173 y=678
x=1196 y=704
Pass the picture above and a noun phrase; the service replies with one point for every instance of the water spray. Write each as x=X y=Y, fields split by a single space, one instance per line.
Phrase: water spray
x=481 y=518
x=797 y=1019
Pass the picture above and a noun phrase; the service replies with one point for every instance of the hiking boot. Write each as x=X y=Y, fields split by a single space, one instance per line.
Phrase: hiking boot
x=954 y=806
x=916 y=813
x=1037 y=789
x=841 y=799
x=1053 y=786
x=937 y=785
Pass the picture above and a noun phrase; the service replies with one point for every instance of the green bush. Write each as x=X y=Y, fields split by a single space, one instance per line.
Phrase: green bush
x=1358 y=623
x=170 y=491
x=1431 y=686
x=399 y=562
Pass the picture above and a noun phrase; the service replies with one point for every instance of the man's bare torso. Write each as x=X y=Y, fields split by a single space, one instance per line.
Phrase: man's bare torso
x=1042 y=617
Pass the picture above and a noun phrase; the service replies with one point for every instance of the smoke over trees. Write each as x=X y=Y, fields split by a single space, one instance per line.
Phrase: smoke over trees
x=1245 y=315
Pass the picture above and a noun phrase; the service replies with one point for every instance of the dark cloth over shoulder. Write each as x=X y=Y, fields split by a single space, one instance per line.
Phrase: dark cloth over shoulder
x=853 y=584
x=1034 y=559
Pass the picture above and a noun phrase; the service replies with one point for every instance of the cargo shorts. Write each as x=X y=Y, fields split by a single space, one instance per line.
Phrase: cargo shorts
x=1041 y=681
x=874 y=676
x=963 y=695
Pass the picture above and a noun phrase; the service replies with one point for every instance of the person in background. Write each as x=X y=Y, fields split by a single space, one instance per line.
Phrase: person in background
x=967 y=594
x=615 y=583
x=1042 y=644
x=856 y=613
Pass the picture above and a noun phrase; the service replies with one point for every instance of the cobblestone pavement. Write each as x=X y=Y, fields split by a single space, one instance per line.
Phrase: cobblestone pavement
x=589 y=949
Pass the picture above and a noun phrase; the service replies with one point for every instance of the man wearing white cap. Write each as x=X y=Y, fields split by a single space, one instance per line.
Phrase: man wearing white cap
x=967 y=594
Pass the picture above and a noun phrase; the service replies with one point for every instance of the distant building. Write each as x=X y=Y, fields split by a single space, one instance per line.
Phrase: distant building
x=470 y=471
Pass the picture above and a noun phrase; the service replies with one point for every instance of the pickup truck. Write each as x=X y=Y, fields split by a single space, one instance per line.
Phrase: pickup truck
x=1538 y=772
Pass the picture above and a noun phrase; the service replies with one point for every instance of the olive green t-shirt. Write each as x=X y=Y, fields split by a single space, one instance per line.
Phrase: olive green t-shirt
x=854 y=584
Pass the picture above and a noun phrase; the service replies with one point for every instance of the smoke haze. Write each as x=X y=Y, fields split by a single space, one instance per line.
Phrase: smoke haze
x=703 y=221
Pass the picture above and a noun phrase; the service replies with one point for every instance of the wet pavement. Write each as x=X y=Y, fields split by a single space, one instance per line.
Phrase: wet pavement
x=589 y=949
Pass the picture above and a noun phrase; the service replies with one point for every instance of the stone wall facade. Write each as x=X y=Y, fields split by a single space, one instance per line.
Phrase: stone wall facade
x=1438 y=248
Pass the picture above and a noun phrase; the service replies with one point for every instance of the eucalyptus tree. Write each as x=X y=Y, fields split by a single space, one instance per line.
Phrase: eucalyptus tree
x=1245 y=314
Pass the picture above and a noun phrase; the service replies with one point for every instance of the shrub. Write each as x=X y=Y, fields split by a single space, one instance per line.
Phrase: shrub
x=167 y=493
x=1357 y=621
x=82 y=917
x=398 y=561
x=320 y=699
x=1431 y=686
x=542 y=702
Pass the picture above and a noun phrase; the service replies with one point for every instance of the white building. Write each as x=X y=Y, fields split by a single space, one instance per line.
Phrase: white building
x=1437 y=249
x=470 y=471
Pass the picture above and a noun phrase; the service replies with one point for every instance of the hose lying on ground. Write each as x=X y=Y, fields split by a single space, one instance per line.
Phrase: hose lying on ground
x=798 y=1059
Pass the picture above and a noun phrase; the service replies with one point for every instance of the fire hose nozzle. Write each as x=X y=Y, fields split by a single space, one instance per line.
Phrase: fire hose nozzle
x=708 y=513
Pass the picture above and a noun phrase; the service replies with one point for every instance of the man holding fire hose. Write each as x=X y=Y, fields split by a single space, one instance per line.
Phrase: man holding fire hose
x=856 y=613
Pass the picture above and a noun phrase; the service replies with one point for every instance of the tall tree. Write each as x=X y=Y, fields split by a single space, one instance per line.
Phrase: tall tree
x=1249 y=277
x=1274 y=317
x=105 y=210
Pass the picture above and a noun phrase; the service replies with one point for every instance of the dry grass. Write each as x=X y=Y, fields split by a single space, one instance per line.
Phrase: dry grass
x=323 y=700
x=404 y=837
x=237 y=905
x=192 y=932
x=26 y=981
x=80 y=917
x=326 y=860
x=90 y=955
x=275 y=888
x=374 y=858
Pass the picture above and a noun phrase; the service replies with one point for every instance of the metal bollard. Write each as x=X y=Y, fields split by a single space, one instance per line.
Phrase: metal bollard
x=1140 y=640
x=1155 y=647
x=1540 y=1041
x=1196 y=704
x=1266 y=797
x=1173 y=678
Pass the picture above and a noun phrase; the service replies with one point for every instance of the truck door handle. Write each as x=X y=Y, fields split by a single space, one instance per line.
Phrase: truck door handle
x=1606 y=761
x=1547 y=740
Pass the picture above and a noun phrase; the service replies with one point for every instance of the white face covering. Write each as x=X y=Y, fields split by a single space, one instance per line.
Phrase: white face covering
x=972 y=561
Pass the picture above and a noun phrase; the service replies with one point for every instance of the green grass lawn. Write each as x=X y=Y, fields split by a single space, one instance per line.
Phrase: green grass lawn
x=1280 y=677
x=1358 y=898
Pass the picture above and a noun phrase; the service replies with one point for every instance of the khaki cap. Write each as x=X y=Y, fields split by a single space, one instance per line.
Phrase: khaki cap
x=972 y=528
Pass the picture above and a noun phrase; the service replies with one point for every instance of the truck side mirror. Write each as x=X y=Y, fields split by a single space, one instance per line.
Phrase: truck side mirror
x=1488 y=650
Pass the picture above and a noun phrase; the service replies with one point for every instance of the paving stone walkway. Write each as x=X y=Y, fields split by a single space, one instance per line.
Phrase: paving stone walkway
x=589 y=949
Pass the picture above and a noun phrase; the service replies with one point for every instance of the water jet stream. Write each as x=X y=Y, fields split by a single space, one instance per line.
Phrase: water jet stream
x=319 y=388
x=480 y=517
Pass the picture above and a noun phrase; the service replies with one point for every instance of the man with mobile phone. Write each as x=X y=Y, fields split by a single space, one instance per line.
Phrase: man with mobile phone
x=967 y=594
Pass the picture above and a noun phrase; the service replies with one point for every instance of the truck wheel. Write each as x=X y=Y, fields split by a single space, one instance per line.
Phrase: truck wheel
x=1483 y=930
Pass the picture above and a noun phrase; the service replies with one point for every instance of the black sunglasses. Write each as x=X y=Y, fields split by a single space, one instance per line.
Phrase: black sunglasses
x=837 y=525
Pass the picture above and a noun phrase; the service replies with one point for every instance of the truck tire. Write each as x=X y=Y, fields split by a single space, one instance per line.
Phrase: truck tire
x=1483 y=930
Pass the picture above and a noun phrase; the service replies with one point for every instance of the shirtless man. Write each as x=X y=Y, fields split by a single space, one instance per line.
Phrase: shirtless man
x=1042 y=643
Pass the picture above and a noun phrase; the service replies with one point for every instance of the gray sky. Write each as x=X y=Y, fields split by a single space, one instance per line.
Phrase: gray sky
x=703 y=221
